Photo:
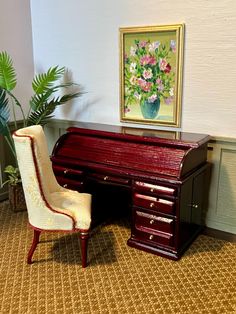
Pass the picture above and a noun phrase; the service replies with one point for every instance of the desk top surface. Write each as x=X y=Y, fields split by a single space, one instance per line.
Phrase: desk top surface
x=149 y=135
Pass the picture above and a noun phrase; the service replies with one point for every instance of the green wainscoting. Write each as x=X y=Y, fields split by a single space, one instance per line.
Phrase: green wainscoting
x=221 y=213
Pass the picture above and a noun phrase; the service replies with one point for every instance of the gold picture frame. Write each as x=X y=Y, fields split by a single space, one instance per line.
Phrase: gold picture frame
x=151 y=65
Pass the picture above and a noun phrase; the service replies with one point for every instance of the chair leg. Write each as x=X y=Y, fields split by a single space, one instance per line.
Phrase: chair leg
x=84 y=245
x=33 y=246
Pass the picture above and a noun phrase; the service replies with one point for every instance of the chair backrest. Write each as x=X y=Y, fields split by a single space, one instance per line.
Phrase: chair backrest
x=37 y=176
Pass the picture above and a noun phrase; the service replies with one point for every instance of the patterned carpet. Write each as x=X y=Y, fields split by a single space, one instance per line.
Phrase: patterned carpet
x=119 y=279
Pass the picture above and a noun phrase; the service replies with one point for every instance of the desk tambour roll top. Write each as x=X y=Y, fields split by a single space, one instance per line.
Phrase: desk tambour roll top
x=162 y=172
x=131 y=151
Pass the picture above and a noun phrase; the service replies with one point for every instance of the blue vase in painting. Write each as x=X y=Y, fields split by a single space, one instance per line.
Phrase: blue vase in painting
x=150 y=109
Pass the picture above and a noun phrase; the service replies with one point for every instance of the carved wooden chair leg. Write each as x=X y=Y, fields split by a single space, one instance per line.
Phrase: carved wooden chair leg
x=33 y=246
x=84 y=246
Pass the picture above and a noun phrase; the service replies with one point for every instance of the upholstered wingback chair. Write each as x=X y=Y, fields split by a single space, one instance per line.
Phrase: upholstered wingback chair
x=50 y=207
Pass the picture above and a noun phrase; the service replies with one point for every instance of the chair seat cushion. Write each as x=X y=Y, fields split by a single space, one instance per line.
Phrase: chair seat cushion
x=75 y=204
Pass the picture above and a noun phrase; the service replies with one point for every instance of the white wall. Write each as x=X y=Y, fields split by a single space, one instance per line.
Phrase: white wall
x=16 y=39
x=83 y=36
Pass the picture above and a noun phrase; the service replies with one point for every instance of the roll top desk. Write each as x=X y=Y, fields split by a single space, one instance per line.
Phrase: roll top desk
x=160 y=177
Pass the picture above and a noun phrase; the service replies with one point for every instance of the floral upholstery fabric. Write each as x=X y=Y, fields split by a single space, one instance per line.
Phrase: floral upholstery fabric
x=50 y=206
x=74 y=203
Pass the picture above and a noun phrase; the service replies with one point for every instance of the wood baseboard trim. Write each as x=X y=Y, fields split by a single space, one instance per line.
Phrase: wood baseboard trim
x=218 y=234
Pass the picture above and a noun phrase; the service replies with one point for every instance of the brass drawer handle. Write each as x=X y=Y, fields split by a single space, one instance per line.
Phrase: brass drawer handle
x=151 y=237
x=65 y=171
x=152 y=190
x=105 y=178
x=193 y=205
x=152 y=205
x=152 y=221
x=65 y=185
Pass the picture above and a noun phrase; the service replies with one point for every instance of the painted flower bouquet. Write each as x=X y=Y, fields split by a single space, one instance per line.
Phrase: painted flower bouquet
x=149 y=76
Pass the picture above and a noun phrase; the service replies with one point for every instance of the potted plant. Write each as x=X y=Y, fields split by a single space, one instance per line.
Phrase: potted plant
x=16 y=195
x=45 y=99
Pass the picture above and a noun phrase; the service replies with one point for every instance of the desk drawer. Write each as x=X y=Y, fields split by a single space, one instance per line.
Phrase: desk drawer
x=76 y=185
x=154 y=203
x=154 y=237
x=154 y=189
x=153 y=222
x=109 y=179
x=67 y=171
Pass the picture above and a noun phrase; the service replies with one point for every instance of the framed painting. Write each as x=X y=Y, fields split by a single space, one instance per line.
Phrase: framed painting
x=151 y=64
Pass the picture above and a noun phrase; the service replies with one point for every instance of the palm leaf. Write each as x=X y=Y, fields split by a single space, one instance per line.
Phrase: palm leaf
x=44 y=81
x=43 y=114
x=37 y=100
x=68 y=97
x=38 y=117
x=7 y=72
x=4 y=113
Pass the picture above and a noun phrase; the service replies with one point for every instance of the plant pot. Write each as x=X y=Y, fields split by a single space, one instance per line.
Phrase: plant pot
x=150 y=109
x=16 y=198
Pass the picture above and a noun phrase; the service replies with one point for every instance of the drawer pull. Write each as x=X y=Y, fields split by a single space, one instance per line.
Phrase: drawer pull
x=156 y=188
x=151 y=237
x=152 y=205
x=105 y=178
x=65 y=171
x=153 y=218
x=65 y=185
x=193 y=205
